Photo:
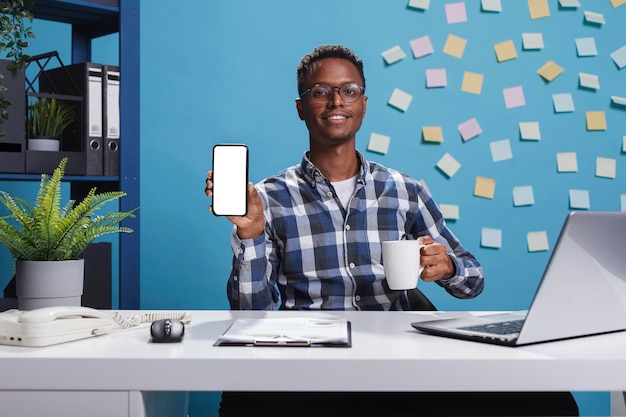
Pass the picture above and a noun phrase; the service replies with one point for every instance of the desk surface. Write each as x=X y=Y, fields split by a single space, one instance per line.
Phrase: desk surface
x=386 y=354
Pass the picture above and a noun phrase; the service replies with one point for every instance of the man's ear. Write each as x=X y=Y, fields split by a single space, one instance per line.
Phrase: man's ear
x=364 y=106
x=299 y=108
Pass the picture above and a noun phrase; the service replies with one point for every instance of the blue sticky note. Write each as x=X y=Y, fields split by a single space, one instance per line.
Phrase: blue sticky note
x=579 y=199
x=491 y=238
x=586 y=47
x=563 y=102
x=523 y=196
x=619 y=57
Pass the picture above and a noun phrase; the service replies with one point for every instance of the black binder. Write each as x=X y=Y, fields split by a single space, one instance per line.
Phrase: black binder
x=85 y=134
x=111 y=119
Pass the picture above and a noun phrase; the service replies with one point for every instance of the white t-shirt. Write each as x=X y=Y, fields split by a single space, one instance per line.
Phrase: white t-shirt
x=345 y=189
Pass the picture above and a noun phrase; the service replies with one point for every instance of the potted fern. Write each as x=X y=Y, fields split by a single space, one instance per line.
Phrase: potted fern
x=47 y=119
x=47 y=239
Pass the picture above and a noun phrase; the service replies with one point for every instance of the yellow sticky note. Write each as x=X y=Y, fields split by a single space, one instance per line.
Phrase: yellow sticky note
x=484 y=187
x=550 y=70
x=617 y=3
x=455 y=46
x=432 y=134
x=472 y=82
x=596 y=120
x=538 y=9
x=505 y=51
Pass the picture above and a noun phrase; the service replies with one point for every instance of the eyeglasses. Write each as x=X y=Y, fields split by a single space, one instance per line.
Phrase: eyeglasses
x=322 y=93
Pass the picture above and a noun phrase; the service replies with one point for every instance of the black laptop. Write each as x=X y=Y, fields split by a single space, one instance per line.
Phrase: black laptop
x=582 y=291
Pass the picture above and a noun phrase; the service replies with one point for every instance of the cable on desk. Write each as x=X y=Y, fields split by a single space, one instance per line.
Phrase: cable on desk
x=136 y=320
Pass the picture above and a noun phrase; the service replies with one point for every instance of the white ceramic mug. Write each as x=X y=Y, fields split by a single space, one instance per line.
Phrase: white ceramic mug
x=401 y=259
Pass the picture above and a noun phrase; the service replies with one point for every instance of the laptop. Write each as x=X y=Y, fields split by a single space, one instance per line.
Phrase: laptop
x=582 y=291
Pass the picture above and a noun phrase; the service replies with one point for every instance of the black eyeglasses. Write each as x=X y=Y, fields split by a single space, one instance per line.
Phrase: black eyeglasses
x=322 y=93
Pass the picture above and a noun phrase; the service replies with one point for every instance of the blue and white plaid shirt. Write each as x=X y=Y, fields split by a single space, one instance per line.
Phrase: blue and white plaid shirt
x=315 y=254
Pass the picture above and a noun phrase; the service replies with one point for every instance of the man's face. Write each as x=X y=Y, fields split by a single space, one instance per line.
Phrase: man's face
x=334 y=121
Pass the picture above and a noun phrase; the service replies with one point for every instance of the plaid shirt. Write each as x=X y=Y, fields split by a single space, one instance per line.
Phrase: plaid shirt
x=315 y=254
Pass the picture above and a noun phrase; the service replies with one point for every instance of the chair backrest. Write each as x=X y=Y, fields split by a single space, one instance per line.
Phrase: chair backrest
x=418 y=301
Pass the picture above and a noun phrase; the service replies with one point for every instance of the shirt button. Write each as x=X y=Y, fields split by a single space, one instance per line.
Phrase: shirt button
x=347 y=227
x=358 y=298
x=352 y=265
x=330 y=193
x=235 y=278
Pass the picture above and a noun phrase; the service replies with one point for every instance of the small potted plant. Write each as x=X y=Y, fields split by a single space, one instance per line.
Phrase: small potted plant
x=47 y=119
x=46 y=240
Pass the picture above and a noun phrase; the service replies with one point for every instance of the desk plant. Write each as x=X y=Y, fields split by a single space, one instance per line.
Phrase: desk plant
x=47 y=119
x=47 y=236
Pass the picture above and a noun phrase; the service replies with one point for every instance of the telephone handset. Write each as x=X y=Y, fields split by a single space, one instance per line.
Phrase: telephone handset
x=48 y=314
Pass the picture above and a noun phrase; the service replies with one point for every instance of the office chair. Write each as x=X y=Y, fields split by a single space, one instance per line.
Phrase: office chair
x=418 y=301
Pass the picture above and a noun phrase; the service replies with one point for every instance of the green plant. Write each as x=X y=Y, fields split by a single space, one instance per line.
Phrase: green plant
x=49 y=232
x=48 y=117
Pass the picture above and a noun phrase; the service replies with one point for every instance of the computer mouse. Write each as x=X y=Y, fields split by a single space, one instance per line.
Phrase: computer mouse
x=167 y=331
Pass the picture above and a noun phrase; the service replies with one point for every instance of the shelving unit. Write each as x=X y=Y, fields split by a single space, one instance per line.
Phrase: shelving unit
x=89 y=20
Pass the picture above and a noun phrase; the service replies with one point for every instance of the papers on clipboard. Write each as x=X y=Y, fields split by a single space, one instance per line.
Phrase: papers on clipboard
x=287 y=332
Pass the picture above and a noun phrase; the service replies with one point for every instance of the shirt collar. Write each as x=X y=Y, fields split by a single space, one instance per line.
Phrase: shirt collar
x=312 y=174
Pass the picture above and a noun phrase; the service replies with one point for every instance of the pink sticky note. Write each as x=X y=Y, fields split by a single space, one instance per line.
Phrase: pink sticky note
x=514 y=97
x=421 y=47
x=455 y=13
x=436 y=77
x=469 y=129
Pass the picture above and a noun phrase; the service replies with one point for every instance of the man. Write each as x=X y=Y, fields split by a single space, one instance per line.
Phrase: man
x=311 y=239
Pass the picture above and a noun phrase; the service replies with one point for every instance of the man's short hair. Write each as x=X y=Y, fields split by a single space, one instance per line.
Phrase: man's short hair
x=327 y=51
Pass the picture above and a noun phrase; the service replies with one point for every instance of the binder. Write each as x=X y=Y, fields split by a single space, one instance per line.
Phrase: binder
x=111 y=119
x=85 y=134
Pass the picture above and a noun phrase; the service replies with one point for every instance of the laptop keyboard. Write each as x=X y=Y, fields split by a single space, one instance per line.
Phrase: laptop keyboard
x=505 y=327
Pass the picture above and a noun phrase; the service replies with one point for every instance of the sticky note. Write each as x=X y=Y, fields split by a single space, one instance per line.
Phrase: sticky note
x=605 y=167
x=563 y=103
x=619 y=57
x=432 y=134
x=501 y=150
x=514 y=97
x=469 y=129
x=484 y=187
x=472 y=82
x=538 y=9
x=448 y=165
x=588 y=81
x=449 y=211
x=436 y=77
x=569 y=3
x=579 y=199
x=532 y=40
x=537 y=241
x=491 y=5
x=455 y=46
x=593 y=17
x=586 y=46
x=378 y=143
x=550 y=70
x=617 y=3
x=491 y=238
x=523 y=196
x=620 y=101
x=419 y=4
x=623 y=202
x=421 y=47
x=566 y=162
x=455 y=12
x=529 y=130
x=505 y=51
x=393 y=55
x=400 y=99
x=624 y=144
x=596 y=120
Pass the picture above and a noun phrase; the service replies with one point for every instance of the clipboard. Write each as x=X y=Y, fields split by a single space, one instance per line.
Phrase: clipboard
x=288 y=332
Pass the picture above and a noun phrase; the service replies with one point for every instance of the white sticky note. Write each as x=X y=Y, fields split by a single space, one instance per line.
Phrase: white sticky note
x=586 y=46
x=469 y=129
x=605 y=167
x=491 y=238
x=379 y=143
x=620 y=101
x=436 y=77
x=449 y=211
x=419 y=4
x=537 y=241
x=566 y=162
x=579 y=199
x=501 y=150
x=491 y=5
x=529 y=130
x=589 y=80
x=569 y=3
x=523 y=196
x=594 y=17
x=619 y=57
x=393 y=55
x=448 y=165
x=623 y=202
x=532 y=41
x=624 y=144
x=563 y=103
x=400 y=99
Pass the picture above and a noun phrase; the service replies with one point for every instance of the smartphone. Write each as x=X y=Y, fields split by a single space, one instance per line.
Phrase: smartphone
x=230 y=179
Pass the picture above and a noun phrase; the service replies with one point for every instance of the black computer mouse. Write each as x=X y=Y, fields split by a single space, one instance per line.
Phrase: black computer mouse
x=167 y=331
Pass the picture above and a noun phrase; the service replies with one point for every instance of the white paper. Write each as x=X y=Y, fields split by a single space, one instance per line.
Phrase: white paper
x=286 y=330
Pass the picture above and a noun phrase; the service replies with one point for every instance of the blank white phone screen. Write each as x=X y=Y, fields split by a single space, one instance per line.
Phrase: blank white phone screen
x=230 y=180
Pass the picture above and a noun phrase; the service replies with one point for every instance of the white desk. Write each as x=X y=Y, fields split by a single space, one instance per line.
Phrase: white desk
x=387 y=354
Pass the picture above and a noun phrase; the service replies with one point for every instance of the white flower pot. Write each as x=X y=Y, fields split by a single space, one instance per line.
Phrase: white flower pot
x=49 y=283
x=44 y=144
